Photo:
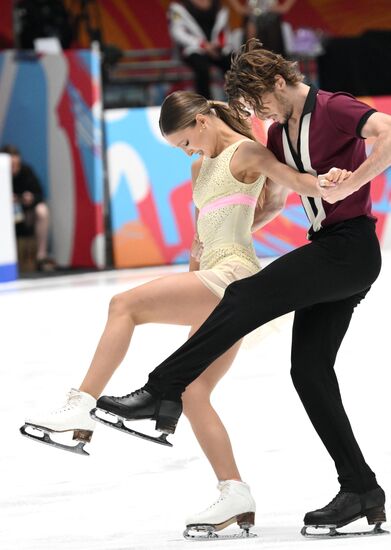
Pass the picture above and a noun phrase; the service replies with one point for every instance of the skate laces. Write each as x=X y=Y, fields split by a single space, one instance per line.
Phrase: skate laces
x=133 y=393
x=72 y=400
x=338 y=499
x=224 y=489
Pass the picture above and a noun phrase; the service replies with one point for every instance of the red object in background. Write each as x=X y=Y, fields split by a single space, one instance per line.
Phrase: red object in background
x=129 y=24
x=88 y=214
x=340 y=17
x=6 y=26
x=305 y=13
x=134 y=24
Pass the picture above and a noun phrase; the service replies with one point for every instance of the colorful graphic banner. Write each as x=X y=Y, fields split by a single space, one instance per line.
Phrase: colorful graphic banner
x=150 y=191
x=151 y=204
x=50 y=109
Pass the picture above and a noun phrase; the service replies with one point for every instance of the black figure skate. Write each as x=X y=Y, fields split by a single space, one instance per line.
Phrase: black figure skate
x=139 y=405
x=345 y=508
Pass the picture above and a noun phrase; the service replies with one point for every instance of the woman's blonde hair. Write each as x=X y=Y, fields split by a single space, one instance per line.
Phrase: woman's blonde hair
x=179 y=111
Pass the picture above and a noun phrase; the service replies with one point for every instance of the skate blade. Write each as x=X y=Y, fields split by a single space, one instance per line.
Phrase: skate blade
x=119 y=425
x=210 y=534
x=332 y=533
x=45 y=438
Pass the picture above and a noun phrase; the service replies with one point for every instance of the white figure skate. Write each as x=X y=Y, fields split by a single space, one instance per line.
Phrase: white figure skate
x=72 y=416
x=235 y=504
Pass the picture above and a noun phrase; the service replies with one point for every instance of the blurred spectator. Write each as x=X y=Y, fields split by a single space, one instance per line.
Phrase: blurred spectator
x=240 y=6
x=265 y=23
x=31 y=214
x=200 y=29
x=239 y=16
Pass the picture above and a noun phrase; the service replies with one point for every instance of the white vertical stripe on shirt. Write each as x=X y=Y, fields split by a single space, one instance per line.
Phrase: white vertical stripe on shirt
x=291 y=162
x=306 y=160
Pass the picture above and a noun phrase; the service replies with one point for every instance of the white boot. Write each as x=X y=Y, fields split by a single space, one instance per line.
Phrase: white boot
x=234 y=504
x=74 y=416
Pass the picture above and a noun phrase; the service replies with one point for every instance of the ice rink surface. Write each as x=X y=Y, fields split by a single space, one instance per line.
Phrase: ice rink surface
x=130 y=494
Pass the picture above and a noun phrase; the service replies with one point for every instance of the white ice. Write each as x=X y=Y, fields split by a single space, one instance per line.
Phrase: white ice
x=130 y=494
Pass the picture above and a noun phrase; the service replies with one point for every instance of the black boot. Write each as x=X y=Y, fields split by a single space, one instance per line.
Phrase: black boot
x=141 y=405
x=347 y=507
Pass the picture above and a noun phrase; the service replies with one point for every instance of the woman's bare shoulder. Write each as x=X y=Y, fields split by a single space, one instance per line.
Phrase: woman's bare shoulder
x=255 y=152
x=250 y=154
x=246 y=165
x=249 y=149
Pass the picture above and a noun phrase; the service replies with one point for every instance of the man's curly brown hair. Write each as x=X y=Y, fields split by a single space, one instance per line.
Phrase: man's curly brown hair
x=253 y=73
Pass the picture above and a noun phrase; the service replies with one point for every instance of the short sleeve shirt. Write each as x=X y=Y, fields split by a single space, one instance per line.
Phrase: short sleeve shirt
x=329 y=135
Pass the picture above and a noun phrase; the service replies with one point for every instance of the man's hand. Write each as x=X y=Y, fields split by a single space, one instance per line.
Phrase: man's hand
x=330 y=185
x=196 y=248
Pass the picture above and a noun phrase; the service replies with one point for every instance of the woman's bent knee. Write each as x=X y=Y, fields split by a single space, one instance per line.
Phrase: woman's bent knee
x=119 y=305
x=195 y=398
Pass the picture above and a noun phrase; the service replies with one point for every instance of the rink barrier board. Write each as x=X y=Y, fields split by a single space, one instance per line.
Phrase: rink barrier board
x=8 y=257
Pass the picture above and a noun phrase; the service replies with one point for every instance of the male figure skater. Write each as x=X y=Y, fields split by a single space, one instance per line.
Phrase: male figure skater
x=322 y=281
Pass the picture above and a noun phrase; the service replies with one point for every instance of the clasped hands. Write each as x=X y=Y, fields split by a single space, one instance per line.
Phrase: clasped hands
x=335 y=185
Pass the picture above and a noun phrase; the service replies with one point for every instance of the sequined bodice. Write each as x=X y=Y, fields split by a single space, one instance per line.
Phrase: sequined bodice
x=226 y=212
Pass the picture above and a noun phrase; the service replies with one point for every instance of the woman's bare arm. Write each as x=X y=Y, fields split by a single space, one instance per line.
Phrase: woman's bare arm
x=196 y=247
x=273 y=202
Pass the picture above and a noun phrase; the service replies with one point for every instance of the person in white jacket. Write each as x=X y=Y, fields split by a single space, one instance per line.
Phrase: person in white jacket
x=200 y=30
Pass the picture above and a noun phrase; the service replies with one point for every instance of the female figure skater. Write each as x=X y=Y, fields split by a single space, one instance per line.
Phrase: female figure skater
x=232 y=200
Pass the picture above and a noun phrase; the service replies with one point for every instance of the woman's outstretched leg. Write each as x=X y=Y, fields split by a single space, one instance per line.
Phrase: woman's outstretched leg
x=179 y=299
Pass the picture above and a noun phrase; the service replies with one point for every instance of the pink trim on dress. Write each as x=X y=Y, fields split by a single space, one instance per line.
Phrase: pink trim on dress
x=236 y=198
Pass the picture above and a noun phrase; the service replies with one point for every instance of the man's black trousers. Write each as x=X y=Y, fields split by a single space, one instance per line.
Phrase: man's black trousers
x=322 y=282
